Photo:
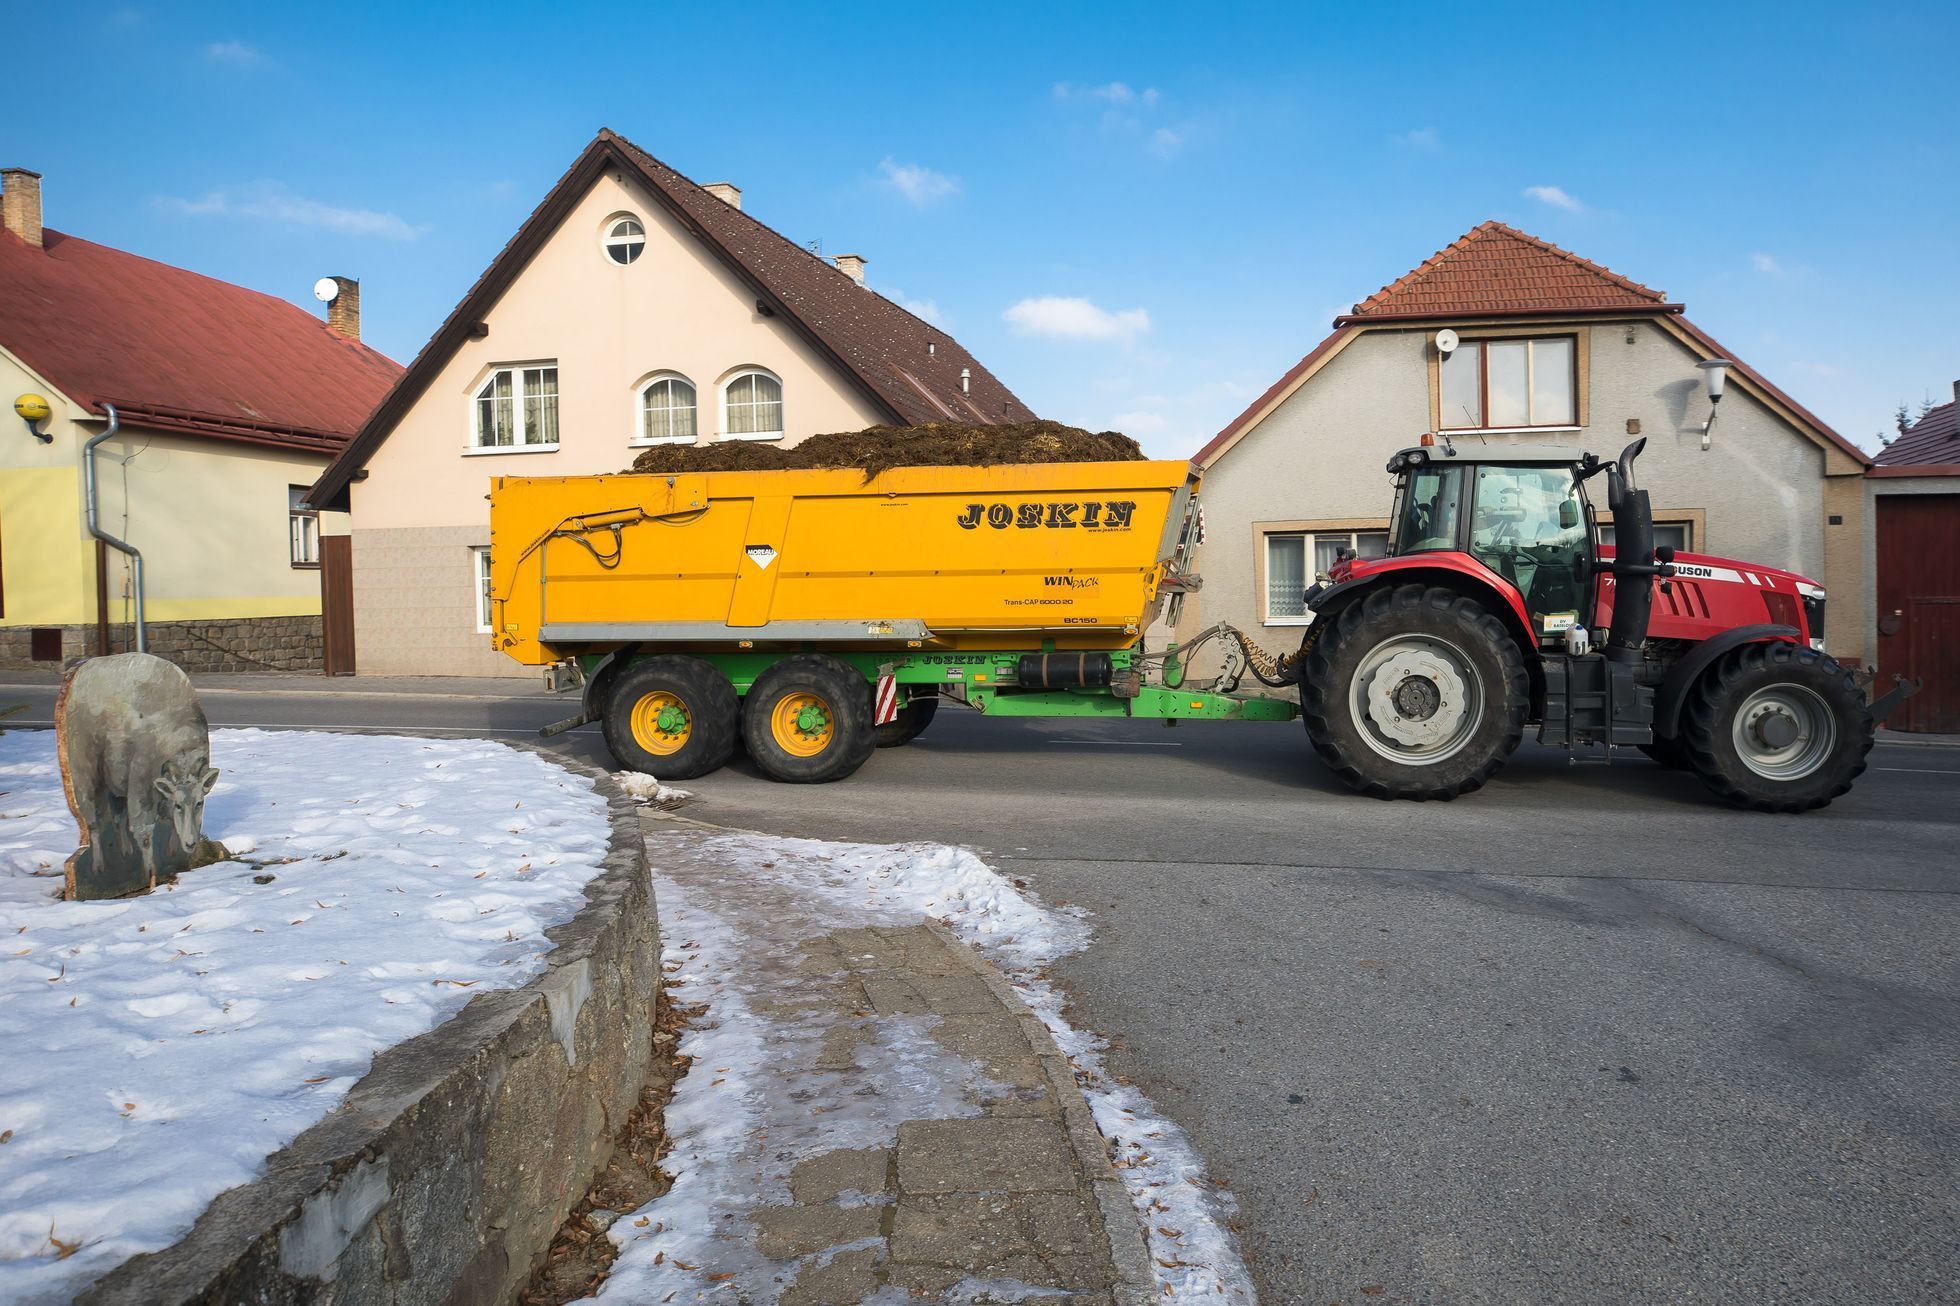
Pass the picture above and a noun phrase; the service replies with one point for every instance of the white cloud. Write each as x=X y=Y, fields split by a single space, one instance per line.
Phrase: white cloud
x=925 y=309
x=1767 y=264
x=1554 y=196
x=920 y=186
x=1141 y=422
x=236 y=53
x=267 y=202
x=1164 y=142
x=1422 y=138
x=1118 y=93
x=1062 y=317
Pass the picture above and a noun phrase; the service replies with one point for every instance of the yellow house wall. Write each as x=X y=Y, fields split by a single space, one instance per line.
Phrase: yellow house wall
x=209 y=516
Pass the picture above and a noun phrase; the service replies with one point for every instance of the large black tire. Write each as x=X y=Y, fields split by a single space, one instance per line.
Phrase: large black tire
x=910 y=723
x=1432 y=646
x=807 y=720
x=671 y=717
x=1776 y=727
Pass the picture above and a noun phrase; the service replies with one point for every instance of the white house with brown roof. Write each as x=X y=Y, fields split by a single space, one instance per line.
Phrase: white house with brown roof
x=633 y=308
x=1549 y=346
x=226 y=405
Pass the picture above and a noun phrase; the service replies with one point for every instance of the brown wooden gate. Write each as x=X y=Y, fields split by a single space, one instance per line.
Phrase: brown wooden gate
x=1919 y=606
x=337 y=603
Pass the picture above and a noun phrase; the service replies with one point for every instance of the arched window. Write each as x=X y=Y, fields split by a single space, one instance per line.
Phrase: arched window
x=752 y=407
x=666 y=411
x=625 y=239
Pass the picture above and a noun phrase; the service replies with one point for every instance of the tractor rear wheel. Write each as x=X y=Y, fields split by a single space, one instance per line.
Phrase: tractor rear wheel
x=910 y=723
x=1415 y=692
x=1776 y=727
x=671 y=717
x=1668 y=752
x=807 y=720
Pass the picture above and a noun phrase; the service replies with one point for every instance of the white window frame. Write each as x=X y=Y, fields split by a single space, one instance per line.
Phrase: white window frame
x=606 y=240
x=1308 y=542
x=1483 y=344
x=480 y=587
x=1686 y=526
x=642 y=441
x=727 y=384
x=302 y=530
x=473 y=446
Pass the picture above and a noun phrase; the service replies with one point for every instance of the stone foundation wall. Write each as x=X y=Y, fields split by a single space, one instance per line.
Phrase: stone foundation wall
x=232 y=644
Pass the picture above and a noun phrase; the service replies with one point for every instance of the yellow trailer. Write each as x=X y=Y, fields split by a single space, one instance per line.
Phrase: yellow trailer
x=816 y=612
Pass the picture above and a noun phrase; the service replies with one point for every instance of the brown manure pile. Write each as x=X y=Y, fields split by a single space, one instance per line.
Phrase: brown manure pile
x=880 y=448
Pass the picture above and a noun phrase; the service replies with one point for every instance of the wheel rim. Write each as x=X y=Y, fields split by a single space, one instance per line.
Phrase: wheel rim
x=1416 y=699
x=1784 y=732
x=661 y=723
x=802 y=724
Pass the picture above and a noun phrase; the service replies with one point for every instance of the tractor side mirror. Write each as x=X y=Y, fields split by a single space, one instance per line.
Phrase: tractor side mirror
x=1663 y=553
x=1568 y=515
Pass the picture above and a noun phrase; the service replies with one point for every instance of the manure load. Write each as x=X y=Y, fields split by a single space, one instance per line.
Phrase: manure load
x=1054 y=556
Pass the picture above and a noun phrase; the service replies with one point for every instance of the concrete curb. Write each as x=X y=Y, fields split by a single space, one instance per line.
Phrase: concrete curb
x=448 y=1168
x=1135 y=1284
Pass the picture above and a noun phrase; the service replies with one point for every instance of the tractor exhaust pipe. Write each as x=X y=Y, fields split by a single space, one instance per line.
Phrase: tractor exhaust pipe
x=1634 y=568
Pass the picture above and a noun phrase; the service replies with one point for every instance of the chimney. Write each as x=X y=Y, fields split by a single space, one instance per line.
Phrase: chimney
x=344 y=309
x=20 y=204
x=852 y=266
x=725 y=191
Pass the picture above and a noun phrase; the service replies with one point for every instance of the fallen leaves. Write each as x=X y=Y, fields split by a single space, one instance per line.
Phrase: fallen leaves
x=63 y=1250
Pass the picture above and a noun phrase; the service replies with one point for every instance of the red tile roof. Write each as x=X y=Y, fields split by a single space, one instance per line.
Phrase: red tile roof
x=1931 y=441
x=1499 y=270
x=908 y=368
x=183 y=352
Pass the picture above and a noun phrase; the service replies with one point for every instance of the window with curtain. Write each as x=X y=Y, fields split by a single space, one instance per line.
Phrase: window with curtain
x=667 y=410
x=1287 y=566
x=752 y=405
x=480 y=575
x=303 y=524
x=518 y=408
x=1492 y=384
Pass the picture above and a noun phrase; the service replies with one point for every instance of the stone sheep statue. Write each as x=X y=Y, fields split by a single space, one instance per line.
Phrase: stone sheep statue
x=135 y=756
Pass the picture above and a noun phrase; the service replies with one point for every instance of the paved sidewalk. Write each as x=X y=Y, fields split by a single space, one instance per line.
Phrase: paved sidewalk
x=908 y=1132
x=529 y=685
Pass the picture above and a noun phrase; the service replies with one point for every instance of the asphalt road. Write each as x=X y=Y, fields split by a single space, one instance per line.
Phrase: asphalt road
x=1583 y=1036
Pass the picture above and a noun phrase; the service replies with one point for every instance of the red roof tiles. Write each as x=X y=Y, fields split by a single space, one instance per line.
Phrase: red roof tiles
x=179 y=351
x=1499 y=270
x=1933 y=440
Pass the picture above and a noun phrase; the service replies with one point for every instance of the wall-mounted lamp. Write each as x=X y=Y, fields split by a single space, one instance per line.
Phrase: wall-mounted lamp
x=34 y=409
x=1714 y=372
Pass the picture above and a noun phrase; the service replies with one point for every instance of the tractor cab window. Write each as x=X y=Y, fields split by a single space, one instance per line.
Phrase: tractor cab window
x=1528 y=525
x=1426 y=510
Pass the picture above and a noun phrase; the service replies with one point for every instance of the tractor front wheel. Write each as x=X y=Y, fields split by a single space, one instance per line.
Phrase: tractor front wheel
x=671 y=717
x=807 y=720
x=1776 y=727
x=1415 y=692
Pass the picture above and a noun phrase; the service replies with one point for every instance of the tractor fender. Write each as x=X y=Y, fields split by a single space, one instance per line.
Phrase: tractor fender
x=599 y=683
x=1681 y=677
x=1467 y=577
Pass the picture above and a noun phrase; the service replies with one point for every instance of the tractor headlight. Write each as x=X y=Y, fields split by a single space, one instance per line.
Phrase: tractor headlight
x=1813 y=613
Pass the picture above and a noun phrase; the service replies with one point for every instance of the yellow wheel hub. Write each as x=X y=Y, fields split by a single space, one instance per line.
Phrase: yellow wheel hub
x=661 y=724
x=801 y=724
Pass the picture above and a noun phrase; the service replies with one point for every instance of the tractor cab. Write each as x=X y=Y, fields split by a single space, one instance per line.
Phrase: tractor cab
x=1521 y=512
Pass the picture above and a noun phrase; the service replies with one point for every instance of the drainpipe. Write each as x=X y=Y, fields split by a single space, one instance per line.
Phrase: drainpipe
x=135 y=558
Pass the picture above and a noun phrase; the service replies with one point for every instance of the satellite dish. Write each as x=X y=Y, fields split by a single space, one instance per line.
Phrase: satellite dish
x=326 y=290
x=1446 y=341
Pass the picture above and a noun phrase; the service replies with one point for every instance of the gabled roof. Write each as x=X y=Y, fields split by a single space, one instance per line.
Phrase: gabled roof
x=906 y=367
x=1495 y=271
x=1933 y=439
x=183 y=352
x=1498 y=270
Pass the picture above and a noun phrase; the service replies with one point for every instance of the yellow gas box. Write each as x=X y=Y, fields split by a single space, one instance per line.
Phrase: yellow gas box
x=1069 y=556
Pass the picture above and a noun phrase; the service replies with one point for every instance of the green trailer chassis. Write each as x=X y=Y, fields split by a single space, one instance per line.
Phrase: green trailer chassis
x=989 y=682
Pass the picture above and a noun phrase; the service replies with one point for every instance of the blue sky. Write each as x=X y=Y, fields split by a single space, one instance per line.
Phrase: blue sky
x=1139 y=216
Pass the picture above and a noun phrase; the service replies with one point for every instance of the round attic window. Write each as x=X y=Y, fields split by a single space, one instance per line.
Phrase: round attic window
x=625 y=240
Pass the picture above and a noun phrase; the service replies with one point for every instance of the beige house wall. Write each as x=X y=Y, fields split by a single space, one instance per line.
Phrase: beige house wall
x=1759 y=494
x=608 y=328
x=210 y=518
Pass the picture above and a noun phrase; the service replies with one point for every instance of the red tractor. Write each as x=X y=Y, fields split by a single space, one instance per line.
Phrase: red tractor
x=1423 y=668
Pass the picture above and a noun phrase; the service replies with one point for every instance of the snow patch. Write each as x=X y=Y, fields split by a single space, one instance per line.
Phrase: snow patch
x=159 y=1048
x=643 y=788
